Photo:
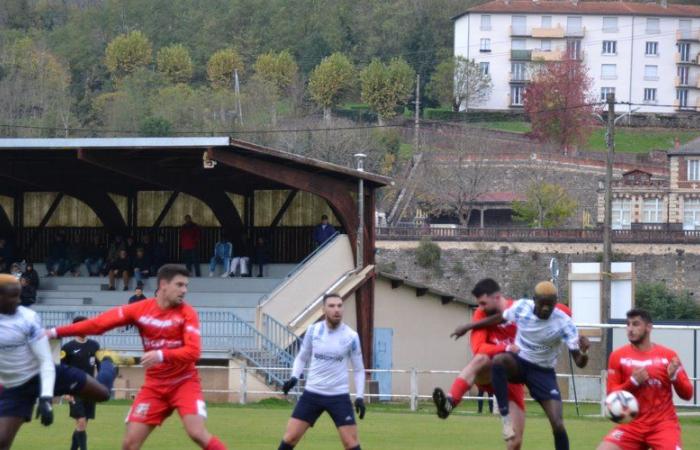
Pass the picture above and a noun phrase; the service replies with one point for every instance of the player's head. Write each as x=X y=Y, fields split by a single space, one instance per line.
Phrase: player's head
x=172 y=283
x=545 y=299
x=639 y=325
x=333 y=309
x=188 y=219
x=77 y=319
x=488 y=295
x=10 y=290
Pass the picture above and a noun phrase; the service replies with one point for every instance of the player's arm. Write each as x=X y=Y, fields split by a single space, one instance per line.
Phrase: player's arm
x=113 y=318
x=39 y=345
x=480 y=344
x=679 y=378
x=616 y=379
x=300 y=361
x=460 y=331
x=191 y=348
x=358 y=367
x=578 y=346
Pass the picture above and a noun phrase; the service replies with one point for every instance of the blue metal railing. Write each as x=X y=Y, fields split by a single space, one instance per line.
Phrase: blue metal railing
x=280 y=335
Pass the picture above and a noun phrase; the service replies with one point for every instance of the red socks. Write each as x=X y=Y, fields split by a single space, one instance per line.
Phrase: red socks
x=457 y=391
x=215 y=444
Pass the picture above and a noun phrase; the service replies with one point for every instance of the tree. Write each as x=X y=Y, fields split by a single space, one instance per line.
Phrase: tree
x=126 y=53
x=386 y=87
x=559 y=104
x=175 y=63
x=279 y=71
x=459 y=81
x=664 y=304
x=156 y=126
x=547 y=206
x=221 y=67
x=330 y=81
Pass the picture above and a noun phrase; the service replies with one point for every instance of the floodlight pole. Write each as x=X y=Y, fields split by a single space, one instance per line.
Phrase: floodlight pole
x=360 y=166
x=607 y=229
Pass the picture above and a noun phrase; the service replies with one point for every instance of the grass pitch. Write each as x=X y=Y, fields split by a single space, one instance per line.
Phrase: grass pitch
x=261 y=426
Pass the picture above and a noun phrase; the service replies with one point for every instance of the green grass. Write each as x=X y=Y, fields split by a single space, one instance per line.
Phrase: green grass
x=259 y=427
x=513 y=126
x=405 y=151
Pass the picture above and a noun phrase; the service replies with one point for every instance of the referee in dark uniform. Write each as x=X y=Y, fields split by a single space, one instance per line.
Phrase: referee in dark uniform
x=81 y=354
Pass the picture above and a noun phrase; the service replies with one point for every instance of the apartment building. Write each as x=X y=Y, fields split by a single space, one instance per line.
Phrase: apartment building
x=648 y=54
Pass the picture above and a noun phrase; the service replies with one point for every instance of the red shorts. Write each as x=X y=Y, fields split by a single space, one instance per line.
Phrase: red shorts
x=516 y=393
x=661 y=436
x=154 y=403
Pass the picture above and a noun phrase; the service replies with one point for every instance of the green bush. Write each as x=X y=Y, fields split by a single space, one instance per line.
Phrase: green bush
x=428 y=254
x=665 y=304
x=155 y=127
x=476 y=116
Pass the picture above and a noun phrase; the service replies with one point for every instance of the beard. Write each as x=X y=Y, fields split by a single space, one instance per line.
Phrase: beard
x=641 y=338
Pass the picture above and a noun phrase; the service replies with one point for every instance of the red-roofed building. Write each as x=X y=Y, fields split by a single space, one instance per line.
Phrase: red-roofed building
x=645 y=53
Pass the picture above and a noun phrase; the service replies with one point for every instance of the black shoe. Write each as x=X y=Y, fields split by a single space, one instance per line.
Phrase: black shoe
x=442 y=402
x=111 y=288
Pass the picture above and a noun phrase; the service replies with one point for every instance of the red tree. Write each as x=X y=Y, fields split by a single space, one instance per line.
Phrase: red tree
x=559 y=104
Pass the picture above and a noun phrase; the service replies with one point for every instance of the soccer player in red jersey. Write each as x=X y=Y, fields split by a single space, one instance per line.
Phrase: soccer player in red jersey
x=650 y=372
x=169 y=329
x=485 y=344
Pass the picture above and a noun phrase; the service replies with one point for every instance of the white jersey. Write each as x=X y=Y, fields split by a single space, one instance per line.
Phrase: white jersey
x=539 y=340
x=18 y=363
x=329 y=351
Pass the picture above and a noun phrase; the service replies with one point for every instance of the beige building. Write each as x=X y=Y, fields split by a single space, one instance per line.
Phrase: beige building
x=642 y=201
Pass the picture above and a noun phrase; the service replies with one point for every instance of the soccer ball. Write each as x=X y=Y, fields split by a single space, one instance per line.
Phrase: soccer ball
x=621 y=407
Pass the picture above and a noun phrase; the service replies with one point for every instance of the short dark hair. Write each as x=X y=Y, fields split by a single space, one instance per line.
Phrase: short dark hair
x=641 y=313
x=331 y=295
x=170 y=271
x=324 y=217
x=77 y=319
x=487 y=286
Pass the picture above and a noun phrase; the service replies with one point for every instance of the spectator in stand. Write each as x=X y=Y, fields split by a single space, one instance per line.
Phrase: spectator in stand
x=323 y=231
x=113 y=250
x=74 y=257
x=190 y=235
x=159 y=254
x=120 y=268
x=260 y=256
x=57 y=262
x=5 y=255
x=138 y=295
x=223 y=251
x=147 y=246
x=142 y=266
x=130 y=246
x=28 y=295
x=94 y=257
x=31 y=275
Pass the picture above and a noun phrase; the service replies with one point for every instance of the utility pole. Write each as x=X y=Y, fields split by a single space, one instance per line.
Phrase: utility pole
x=607 y=229
x=416 y=122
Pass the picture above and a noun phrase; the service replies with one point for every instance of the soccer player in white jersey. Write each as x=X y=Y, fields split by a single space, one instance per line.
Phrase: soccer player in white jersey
x=541 y=330
x=27 y=371
x=328 y=344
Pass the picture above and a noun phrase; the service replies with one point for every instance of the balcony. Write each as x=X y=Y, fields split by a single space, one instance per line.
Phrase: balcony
x=546 y=56
x=518 y=31
x=689 y=107
x=688 y=35
x=517 y=78
x=548 y=33
x=691 y=61
x=575 y=32
x=521 y=55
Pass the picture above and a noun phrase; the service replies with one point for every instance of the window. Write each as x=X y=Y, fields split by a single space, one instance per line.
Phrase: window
x=651 y=73
x=693 y=170
x=518 y=44
x=691 y=214
x=573 y=26
x=609 y=47
x=518 y=71
x=682 y=97
x=651 y=210
x=649 y=95
x=685 y=24
x=604 y=91
x=519 y=25
x=652 y=49
x=546 y=21
x=485 y=22
x=516 y=95
x=573 y=48
x=484 y=66
x=683 y=72
x=684 y=50
x=621 y=214
x=608 y=72
x=609 y=24
x=652 y=25
x=485 y=46
x=546 y=45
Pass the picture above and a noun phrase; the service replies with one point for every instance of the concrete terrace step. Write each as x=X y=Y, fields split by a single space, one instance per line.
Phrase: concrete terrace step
x=246 y=314
x=114 y=298
x=271 y=270
x=221 y=285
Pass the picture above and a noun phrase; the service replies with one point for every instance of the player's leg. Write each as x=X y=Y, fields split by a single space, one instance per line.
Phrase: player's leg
x=340 y=409
x=348 y=436
x=136 y=434
x=626 y=437
x=516 y=399
x=9 y=426
x=608 y=446
x=197 y=431
x=188 y=399
x=665 y=436
x=477 y=370
x=306 y=412
x=296 y=429
x=553 y=410
x=505 y=367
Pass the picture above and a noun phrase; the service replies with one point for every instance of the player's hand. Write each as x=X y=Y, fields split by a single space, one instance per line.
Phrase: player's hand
x=360 y=408
x=640 y=375
x=673 y=367
x=68 y=398
x=460 y=331
x=512 y=348
x=584 y=344
x=150 y=359
x=45 y=411
x=289 y=385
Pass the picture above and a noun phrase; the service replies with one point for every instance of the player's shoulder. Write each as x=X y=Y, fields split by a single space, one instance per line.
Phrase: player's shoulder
x=662 y=350
x=621 y=352
x=27 y=313
x=348 y=330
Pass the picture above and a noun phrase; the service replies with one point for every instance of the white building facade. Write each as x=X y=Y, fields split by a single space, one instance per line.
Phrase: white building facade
x=645 y=53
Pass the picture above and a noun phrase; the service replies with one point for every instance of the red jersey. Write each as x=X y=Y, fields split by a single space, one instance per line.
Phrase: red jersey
x=655 y=396
x=174 y=332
